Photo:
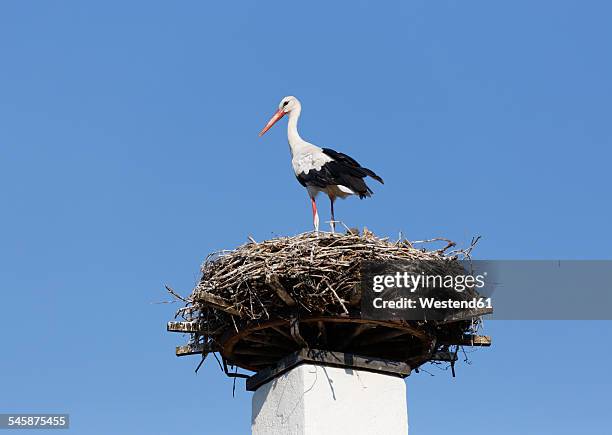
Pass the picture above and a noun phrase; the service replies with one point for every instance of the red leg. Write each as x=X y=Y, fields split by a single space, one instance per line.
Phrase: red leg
x=315 y=214
x=333 y=219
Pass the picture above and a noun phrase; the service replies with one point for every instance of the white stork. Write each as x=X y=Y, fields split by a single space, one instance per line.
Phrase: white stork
x=320 y=169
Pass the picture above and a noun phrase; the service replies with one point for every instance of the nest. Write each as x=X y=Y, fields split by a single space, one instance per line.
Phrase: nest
x=262 y=301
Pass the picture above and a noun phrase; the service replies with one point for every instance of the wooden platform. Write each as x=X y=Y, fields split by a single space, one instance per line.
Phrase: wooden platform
x=264 y=344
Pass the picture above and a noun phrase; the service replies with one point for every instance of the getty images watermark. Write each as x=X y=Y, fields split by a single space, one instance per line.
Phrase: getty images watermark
x=423 y=284
x=450 y=290
x=423 y=290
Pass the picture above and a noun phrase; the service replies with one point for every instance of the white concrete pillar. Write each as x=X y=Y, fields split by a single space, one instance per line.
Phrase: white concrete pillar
x=312 y=399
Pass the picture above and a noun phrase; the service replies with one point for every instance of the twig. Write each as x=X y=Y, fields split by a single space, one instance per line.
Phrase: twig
x=175 y=294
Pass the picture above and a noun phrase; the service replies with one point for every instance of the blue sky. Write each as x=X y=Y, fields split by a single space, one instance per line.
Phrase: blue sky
x=129 y=151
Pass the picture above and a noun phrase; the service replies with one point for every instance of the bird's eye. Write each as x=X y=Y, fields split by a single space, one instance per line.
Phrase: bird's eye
x=285 y=103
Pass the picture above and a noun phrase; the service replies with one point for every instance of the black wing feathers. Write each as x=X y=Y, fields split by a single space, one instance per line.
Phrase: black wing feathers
x=352 y=165
x=332 y=173
x=342 y=170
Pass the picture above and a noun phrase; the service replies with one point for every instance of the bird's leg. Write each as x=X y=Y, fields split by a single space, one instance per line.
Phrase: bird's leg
x=315 y=215
x=333 y=219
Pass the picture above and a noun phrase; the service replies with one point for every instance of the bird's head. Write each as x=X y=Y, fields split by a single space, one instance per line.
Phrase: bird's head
x=286 y=105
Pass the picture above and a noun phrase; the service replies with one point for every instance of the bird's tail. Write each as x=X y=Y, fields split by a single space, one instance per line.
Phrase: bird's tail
x=372 y=174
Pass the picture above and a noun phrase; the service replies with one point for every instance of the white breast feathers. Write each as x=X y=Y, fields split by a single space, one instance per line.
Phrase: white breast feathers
x=303 y=163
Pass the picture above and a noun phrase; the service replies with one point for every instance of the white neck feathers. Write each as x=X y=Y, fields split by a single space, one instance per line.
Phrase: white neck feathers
x=297 y=145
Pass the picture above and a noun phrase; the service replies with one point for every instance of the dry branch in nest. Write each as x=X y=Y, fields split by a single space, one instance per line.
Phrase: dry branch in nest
x=262 y=301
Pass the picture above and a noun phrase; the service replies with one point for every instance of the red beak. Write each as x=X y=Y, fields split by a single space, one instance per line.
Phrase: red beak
x=278 y=115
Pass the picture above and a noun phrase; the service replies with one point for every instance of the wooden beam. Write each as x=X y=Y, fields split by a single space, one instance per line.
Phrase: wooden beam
x=269 y=340
x=192 y=349
x=279 y=330
x=467 y=315
x=217 y=302
x=273 y=282
x=384 y=336
x=261 y=361
x=476 y=340
x=444 y=356
x=470 y=340
x=262 y=352
x=183 y=327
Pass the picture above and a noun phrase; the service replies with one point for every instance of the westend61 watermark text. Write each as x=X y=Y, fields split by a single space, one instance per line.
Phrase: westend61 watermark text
x=433 y=303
